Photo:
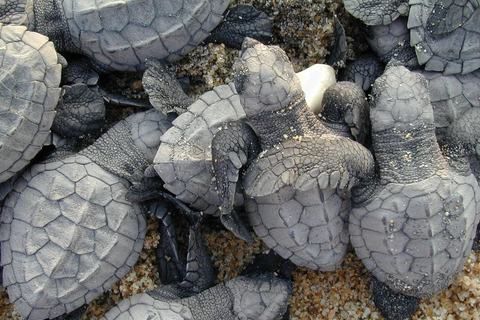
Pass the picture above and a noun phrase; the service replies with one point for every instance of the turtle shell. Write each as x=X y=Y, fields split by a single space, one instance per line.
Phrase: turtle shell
x=184 y=158
x=307 y=227
x=29 y=91
x=67 y=236
x=452 y=95
x=416 y=237
x=446 y=35
x=120 y=35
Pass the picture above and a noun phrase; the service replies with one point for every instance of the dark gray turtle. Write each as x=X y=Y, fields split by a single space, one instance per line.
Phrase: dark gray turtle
x=121 y=35
x=298 y=172
x=68 y=232
x=245 y=297
x=414 y=225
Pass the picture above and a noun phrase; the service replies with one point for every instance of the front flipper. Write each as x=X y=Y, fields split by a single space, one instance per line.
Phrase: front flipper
x=233 y=146
x=327 y=161
x=164 y=91
x=242 y=21
x=80 y=110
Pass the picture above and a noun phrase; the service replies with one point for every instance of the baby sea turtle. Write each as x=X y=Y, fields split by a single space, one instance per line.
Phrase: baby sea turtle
x=297 y=170
x=377 y=12
x=245 y=297
x=30 y=75
x=184 y=158
x=451 y=96
x=68 y=232
x=121 y=35
x=445 y=34
x=414 y=224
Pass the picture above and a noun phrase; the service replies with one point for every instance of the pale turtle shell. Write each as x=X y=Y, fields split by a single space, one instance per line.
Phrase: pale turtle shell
x=184 y=158
x=121 y=35
x=68 y=235
x=29 y=91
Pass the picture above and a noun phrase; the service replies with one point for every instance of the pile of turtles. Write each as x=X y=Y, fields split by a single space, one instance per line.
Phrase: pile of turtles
x=392 y=178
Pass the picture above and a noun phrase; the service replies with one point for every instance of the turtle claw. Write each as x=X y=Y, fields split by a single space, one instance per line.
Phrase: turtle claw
x=234 y=224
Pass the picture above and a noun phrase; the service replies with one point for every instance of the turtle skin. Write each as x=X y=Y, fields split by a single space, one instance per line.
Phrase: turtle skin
x=415 y=228
x=68 y=234
x=30 y=75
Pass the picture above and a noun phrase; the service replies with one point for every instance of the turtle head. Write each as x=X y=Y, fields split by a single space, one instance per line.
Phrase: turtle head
x=18 y=12
x=401 y=101
x=265 y=79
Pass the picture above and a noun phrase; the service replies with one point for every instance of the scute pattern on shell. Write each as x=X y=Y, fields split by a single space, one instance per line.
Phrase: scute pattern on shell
x=120 y=35
x=184 y=158
x=416 y=237
x=446 y=35
x=452 y=95
x=308 y=227
x=29 y=90
x=72 y=233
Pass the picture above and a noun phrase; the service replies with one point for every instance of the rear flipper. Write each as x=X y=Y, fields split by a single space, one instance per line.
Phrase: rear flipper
x=233 y=147
x=242 y=21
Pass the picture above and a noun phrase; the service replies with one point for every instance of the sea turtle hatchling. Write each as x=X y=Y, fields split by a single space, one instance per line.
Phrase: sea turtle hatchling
x=253 y=296
x=68 y=233
x=445 y=34
x=30 y=75
x=184 y=158
x=298 y=171
x=414 y=224
x=121 y=35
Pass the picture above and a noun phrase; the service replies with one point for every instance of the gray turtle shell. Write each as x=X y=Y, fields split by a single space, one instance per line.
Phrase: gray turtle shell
x=446 y=35
x=184 y=158
x=67 y=236
x=29 y=89
x=452 y=95
x=120 y=35
x=416 y=237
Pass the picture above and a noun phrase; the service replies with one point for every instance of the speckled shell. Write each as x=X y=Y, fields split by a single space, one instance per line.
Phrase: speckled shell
x=184 y=158
x=29 y=91
x=307 y=227
x=446 y=39
x=120 y=35
x=416 y=237
x=67 y=235
x=452 y=95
